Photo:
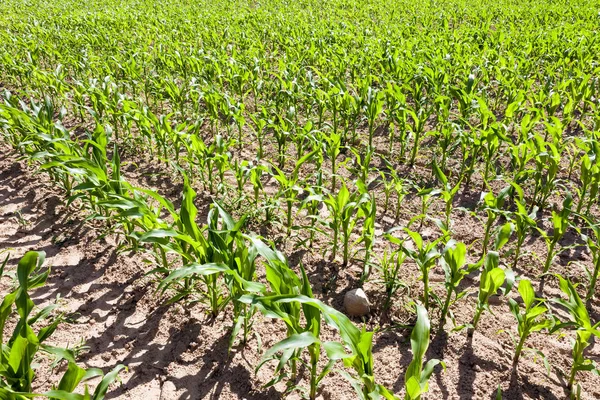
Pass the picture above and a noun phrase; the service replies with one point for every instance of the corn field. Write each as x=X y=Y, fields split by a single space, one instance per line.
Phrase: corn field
x=263 y=158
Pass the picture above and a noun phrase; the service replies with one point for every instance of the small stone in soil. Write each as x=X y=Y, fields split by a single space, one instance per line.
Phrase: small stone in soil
x=356 y=303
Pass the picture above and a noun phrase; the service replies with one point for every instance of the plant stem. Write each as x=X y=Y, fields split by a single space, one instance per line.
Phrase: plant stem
x=314 y=358
x=445 y=309
x=426 y=289
x=592 y=287
x=476 y=319
x=550 y=256
x=519 y=349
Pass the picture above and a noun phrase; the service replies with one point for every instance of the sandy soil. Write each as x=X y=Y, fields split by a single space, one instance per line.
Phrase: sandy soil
x=174 y=352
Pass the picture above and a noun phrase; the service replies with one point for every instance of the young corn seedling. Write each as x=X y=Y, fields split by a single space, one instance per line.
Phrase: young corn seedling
x=427 y=196
x=221 y=159
x=362 y=165
x=593 y=244
x=242 y=172
x=290 y=296
x=491 y=280
x=590 y=179
x=256 y=174
x=200 y=257
x=393 y=182
x=560 y=224
x=416 y=379
x=373 y=108
x=470 y=148
x=423 y=254
x=361 y=344
x=491 y=139
x=291 y=300
x=523 y=222
x=332 y=144
x=389 y=267
x=289 y=350
x=388 y=186
x=453 y=261
x=260 y=123
x=368 y=212
x=283 y=282
x=529 y=319
x=448 y=192
x=417 y=124
x=17 y=356
x=282 y=130
x=396 y=117
x=311 y=204
x=493 y=206
x=288 y=186
x=547 y=160
x=229 y=248
x=584 y=329
x=343 y=210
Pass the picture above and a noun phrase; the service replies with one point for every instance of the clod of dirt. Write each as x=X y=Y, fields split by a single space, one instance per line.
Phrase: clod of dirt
x=356 y=303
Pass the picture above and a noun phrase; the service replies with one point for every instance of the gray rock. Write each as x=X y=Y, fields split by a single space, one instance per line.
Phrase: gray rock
x=356 y=303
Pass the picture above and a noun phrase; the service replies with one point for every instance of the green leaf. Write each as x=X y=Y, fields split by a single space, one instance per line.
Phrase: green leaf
x=503 y=235
x=413 y=388
x=335 y=351
x=526 y=291
x=109 y=378
x=73 y=375
x=295 y=341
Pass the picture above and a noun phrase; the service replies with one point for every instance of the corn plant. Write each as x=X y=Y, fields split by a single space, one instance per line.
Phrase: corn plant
x=590 y=179
x=289 y=188
x=389 y=267
x=531 y=318
x=18 y=353
x=311 y=204
x=453 y=262
x=417 y=124
x=448 y=192
x=282 y=129
x=260 y=122
x=343 y=209
x=427 y=196
x=560 y=224
x=416 y=379
x=492 y=278
x=284 y=303
x=593 y=244
x=222 y=253
x=361 y=344
x=368 y=212
x=493 y=206
x=547 y=159
x=362 y=165
x=332 y=144
x=523 y=222
x=423 y=254
x=373 y=108
x=396 y=184
x=584 y=329
x=288 y=350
